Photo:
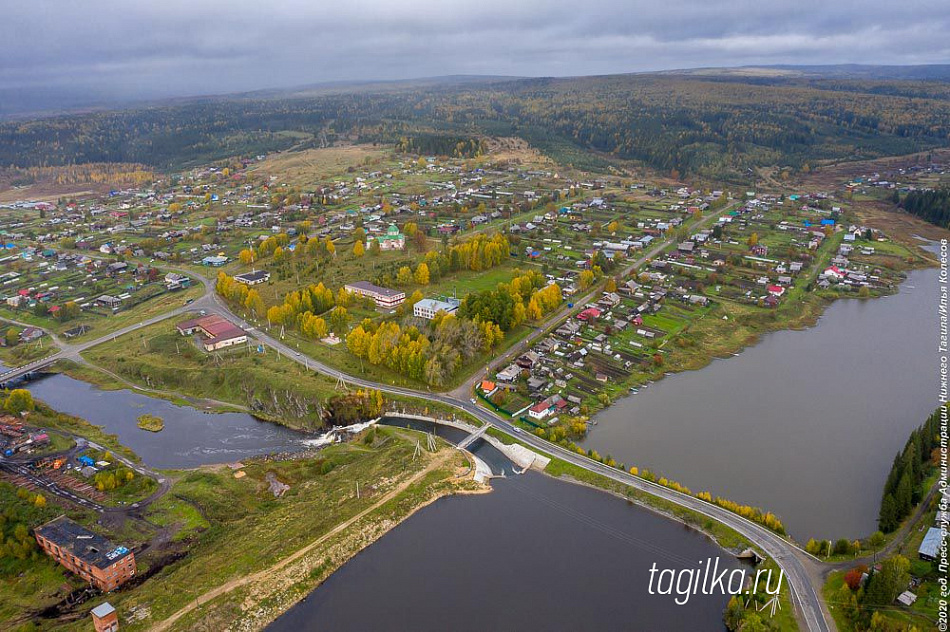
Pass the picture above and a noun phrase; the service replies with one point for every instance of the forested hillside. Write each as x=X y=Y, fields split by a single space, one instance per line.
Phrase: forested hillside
x=930 y=205
x=713 y=126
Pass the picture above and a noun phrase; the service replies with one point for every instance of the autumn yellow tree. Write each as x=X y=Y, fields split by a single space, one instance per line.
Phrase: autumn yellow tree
x=586 y=279
x=534 y=309
x=404 y=276
x=358 y=249
x=422 y=274
x=255 y=303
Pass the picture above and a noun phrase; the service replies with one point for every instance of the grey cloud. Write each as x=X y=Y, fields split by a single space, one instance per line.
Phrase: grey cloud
x=177 y=47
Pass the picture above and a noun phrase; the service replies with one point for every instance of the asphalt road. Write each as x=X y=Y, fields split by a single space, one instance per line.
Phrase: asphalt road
x=578 y=301
x=790 y=558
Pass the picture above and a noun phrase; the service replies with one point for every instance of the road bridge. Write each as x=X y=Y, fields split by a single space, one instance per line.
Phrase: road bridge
x=472 y=438
x=793 y=560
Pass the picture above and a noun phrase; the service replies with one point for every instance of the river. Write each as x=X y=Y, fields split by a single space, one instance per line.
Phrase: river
x=190 y=438
x=804 y=423
x=534 y=554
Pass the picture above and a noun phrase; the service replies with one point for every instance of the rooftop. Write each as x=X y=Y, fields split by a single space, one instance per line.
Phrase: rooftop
x=214 y=325
x=366 y=286
x=931 y=543
x=436 y=305
x=82 y=543
x=103 y=609
x=256 y=275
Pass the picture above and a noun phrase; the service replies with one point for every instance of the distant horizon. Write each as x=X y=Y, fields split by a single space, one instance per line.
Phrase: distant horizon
x=55 y=54
x=60 y=100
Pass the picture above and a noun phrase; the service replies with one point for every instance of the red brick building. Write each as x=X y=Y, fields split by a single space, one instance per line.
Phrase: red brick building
x=105 y=618
x=89 y=555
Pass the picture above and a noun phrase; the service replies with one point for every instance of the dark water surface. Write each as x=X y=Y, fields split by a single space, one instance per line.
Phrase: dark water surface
x=804 y=424
x=190 y=437
x=534 y=554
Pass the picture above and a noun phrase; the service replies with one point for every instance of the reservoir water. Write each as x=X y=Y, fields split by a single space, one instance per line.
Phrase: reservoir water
x=534 y=554
x=190 y=437
x=804 y=423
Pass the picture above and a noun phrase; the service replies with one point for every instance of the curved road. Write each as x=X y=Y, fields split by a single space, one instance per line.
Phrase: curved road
x=802 y=571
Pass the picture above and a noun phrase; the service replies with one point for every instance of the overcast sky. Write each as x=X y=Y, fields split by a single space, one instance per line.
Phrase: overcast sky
x=151 y=48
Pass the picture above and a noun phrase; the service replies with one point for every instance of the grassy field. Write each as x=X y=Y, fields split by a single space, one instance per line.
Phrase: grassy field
x=271 y=387
x=102 y=325
x=26 y=352
x=235 y=528
x=300 y=168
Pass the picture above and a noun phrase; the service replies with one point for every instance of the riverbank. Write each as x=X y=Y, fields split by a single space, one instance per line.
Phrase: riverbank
x=224 y=546
x=793 y=412
x=254 y=380
x=732 y=326
x=724 y=537
x=258 y=597
x=108 y=381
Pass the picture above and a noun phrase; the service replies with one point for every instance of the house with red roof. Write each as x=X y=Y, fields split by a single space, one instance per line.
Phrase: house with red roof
x=542 y=409
x=590 y=314
x=488 y=387
x=539 y=410
x=833 y=272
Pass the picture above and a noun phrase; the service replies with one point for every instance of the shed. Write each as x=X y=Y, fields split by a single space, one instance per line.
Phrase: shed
x=930 y=546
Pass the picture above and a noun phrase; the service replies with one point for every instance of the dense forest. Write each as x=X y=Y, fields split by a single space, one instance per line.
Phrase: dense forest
x=930 y=205
x=701 y=125
x=911 y=467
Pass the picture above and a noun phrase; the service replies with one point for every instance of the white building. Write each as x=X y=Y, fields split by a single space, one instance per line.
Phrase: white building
x=428 y=307
x=383 y=296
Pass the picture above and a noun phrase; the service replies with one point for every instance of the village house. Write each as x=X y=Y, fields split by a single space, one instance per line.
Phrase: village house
x=527 y=360
x=488 y=388
x=217 y=331
x=112 y=302
x=175 y=281
x=609 y=300
x=545 y=407
x=95 y=559
x=214 y=261
x=29 y=334
x=588 y=315
x=252 y=278
x=509 y=374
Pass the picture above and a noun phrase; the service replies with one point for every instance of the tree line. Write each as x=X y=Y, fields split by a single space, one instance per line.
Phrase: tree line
x=676 y=124
x=931 y=205
x=911 y=466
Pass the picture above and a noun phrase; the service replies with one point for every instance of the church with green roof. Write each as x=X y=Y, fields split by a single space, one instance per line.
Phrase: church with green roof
x=392 y=239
